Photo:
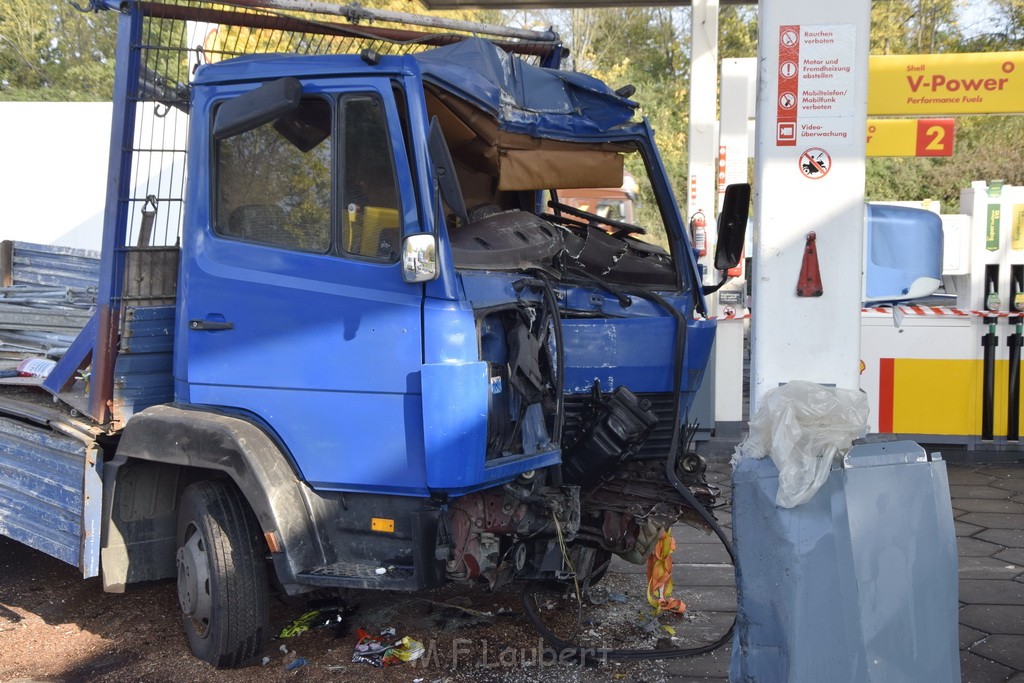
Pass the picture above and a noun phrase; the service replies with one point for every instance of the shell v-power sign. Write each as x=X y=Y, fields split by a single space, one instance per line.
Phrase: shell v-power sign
x=922 y=85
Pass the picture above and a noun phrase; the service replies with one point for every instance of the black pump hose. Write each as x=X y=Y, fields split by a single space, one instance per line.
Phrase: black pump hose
x=582 y=653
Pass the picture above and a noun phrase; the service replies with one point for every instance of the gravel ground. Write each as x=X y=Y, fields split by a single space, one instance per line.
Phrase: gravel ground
x=55 y=626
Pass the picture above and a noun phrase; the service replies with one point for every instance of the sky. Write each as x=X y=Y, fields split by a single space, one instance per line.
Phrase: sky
x=977 y=16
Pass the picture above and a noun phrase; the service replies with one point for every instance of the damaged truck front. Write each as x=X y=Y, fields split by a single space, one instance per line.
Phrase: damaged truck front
x=572 y=332
x=398 y=359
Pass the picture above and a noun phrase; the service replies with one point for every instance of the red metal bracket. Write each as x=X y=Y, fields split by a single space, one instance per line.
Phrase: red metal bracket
x=810 y=275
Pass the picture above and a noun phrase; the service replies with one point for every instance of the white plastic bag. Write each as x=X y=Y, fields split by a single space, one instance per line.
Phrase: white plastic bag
x=803 y=426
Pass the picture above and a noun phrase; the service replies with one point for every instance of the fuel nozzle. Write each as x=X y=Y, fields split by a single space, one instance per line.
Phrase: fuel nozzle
x=992 y=301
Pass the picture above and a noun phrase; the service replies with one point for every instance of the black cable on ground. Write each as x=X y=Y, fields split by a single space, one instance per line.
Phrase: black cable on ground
x=583 y=653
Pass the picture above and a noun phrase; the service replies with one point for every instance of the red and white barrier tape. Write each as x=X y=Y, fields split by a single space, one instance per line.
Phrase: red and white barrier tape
x=729 y=313
x=940 y=310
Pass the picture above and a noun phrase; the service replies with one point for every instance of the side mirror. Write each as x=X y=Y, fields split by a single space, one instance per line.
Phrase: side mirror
x=257 y=107
x=419 y=257
x=732 y=226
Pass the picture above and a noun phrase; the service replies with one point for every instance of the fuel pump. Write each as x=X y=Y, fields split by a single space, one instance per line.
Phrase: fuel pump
x=944 y=373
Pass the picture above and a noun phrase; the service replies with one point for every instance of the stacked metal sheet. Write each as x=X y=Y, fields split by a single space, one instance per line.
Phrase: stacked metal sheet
x=49 y=295
x=42 y=321
x=25 y=263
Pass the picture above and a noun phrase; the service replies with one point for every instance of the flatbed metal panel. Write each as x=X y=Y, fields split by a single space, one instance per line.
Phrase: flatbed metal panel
x=49 y=492
x=142 y=372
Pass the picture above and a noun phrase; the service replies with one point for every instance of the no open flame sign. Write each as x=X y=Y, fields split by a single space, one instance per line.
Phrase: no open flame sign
x=815 y=163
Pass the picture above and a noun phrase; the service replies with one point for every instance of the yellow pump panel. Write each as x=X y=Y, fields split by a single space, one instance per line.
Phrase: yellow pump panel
x=928 y=396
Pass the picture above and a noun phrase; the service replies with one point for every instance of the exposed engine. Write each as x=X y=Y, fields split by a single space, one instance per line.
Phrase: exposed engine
x=610 y=503
x=604 y=498
x=625 y=513
x=610 y=432
x=495 y=533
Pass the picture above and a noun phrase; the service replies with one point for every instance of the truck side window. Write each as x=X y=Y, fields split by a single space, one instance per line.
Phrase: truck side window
x=274 y=182
x=371 y=218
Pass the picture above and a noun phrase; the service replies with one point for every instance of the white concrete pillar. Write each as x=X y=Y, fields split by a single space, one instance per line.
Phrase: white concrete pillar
x=739 y=78
x=703 y=140
x=736 y=108
x=809 y=177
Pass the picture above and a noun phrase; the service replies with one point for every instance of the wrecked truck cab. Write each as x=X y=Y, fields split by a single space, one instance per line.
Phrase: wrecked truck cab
x=554 y=352
x=401 y=348
x=581 y=323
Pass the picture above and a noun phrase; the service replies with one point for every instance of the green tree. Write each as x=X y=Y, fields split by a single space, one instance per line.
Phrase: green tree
x=737 y=32
x=51 y=51
x=914 y=26
x=1007 y=32
x=1012 y=20
x=982 y=153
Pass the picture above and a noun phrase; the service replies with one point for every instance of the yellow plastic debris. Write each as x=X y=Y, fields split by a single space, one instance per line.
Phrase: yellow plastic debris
x=659 y=576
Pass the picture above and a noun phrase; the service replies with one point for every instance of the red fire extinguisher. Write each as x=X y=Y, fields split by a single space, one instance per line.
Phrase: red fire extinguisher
x=699 y=233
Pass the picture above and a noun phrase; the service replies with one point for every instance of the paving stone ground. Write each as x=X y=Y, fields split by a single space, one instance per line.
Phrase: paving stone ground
x=989 y=497
x=988 y=510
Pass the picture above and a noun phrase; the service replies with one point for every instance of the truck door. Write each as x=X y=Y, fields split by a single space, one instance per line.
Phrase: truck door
x=295 y=310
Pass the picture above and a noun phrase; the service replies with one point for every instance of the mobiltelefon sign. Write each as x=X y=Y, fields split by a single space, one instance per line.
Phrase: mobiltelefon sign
x=980 y=83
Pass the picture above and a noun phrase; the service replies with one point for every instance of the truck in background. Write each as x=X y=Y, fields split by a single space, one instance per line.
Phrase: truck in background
x=617 y=203
x=367 y=347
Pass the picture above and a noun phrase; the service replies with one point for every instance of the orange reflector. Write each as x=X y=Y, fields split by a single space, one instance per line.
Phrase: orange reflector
x=382 y=524
x=272 y=541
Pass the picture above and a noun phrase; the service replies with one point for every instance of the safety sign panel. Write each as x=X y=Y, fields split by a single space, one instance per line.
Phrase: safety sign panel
x=980 y=83
x=815 y=163
x=815 y=85
x=910 y=137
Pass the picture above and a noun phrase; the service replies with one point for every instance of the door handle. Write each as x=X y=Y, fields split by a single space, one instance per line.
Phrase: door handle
x=210 y=325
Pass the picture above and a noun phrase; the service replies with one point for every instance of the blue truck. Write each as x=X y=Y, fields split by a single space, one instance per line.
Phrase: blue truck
x=374 y=350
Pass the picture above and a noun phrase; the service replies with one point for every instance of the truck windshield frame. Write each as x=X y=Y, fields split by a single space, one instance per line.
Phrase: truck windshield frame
x=652 y=211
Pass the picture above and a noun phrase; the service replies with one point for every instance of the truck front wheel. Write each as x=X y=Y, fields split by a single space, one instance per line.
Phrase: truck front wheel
x=222 y=576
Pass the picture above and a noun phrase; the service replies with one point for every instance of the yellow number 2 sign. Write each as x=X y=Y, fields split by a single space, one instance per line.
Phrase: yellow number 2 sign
x=910 y=137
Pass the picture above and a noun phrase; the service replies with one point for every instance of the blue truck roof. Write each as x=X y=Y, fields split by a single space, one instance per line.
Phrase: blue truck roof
x=523 y=98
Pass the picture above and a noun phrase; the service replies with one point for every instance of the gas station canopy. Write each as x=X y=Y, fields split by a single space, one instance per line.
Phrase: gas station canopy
x=553 y=4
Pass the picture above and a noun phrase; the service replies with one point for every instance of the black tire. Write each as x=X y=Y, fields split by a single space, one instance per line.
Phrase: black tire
x=222 y=575
x=602 y=560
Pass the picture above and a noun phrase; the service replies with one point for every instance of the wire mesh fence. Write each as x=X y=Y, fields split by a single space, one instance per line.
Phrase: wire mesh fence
x=177 y=36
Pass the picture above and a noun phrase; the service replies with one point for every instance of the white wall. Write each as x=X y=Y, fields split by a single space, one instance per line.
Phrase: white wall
x=53 y=171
